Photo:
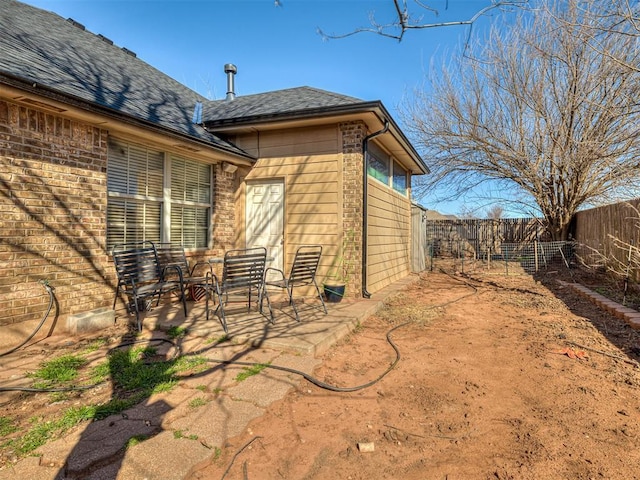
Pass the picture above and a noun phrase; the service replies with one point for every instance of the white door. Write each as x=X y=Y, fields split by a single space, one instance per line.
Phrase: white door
x=265 y=219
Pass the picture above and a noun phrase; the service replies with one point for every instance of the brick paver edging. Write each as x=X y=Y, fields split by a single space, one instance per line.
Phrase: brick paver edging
x=629 y=315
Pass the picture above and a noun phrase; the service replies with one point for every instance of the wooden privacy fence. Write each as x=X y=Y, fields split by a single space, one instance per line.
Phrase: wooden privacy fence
x=609 y=236
x=481 y=238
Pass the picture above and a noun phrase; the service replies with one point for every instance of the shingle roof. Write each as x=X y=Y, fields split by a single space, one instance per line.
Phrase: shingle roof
x=281 y=102
x=44 y=49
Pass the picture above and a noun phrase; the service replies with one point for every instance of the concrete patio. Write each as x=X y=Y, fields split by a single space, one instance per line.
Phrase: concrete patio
x=179 y=437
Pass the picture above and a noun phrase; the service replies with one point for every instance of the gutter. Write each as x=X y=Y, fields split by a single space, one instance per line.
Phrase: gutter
x=365 y=198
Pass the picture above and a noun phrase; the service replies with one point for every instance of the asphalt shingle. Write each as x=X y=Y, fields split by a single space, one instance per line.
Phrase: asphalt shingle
x=61 y=55
x=280 y=102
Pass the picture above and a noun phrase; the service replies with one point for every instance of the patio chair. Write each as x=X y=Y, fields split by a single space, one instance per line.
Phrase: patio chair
x=172 y=254
x=303 y=273
x=141 y=277
x=242 y=275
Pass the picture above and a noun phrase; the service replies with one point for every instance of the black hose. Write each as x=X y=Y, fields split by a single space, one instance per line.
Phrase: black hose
x=49 y=290
x=320 y=383
x=333 y=388
x=305 y=375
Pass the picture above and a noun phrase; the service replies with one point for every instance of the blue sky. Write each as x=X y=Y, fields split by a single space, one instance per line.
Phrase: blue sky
x=278 y=47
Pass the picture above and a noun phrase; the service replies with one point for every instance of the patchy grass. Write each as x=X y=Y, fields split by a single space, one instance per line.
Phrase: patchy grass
x=177 y=434
x=177 y=332
x=59 y=371
x=135 y=440
x=251 y=371
x=134 y=374
x=7 y=426
x=198 y=402
x=217 y=340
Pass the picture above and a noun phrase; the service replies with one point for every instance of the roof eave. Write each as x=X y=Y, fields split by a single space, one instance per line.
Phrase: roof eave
x=55 y=95
x=256 y=122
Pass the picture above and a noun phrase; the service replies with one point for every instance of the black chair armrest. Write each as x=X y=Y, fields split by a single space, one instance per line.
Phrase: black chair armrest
x=172 y=267
x=266 y=273
x=201 y=264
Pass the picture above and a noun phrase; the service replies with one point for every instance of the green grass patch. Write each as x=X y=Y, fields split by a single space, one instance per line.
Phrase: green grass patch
x=7 y=426
x=94 y=345
x=217 y=340
x=134 y=375
x=43 y=431
x=58 y=371
x=177 y=434
x=177 y=332
x=135 y=440
x=251 y=371
x=198 y=402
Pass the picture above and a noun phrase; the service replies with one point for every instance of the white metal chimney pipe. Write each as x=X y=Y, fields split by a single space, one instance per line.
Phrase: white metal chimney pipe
x=230 y=69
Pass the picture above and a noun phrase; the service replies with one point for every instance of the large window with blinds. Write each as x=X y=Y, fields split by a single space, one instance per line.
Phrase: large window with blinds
x=155 y=196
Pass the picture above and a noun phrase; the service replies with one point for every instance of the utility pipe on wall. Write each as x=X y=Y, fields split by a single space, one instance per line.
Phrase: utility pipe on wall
x=365 y=193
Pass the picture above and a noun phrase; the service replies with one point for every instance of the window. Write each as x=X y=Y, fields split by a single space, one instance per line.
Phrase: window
x=139 y=205
x=382 y=167
x=399 y=178
x=190 y=202
x=378 y=164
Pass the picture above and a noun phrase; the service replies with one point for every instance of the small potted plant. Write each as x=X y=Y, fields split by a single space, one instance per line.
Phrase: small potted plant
x=337 y=277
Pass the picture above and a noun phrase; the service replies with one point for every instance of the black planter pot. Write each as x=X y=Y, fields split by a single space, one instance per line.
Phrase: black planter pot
x=334 y=293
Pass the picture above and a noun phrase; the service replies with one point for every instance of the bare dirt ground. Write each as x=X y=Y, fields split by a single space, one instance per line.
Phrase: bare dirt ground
x=499 y=378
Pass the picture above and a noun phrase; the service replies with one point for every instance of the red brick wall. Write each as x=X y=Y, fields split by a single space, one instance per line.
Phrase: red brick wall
x=52 y=214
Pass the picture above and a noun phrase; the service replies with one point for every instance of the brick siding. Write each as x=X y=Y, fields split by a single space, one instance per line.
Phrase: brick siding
x=52 y=214
x=353 y=133
x=53 y=204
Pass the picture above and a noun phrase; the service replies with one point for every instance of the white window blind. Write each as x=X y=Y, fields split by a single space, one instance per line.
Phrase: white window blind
x=138 y=202
x=190 y=202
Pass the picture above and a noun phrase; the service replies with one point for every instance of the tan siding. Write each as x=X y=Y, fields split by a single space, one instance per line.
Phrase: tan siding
x=389 y=220
x=309 y=162
x=301 y=141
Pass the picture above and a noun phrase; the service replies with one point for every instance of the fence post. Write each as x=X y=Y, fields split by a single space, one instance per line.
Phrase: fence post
x=535 y=254
x=506 y=261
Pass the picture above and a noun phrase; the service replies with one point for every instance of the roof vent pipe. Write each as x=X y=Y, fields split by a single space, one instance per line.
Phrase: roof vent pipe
x=230 y=69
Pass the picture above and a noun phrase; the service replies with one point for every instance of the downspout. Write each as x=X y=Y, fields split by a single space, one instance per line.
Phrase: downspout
x=365 y=193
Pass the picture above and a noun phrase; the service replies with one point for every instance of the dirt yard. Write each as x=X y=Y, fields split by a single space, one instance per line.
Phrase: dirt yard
x=498 y=378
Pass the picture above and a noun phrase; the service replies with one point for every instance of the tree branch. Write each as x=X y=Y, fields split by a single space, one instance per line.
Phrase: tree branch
x=406 y=21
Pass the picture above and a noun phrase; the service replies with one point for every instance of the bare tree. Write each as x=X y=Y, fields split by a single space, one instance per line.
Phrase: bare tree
x=410 y=16
x=540 y=115
x=613 y=16
x=495 y=212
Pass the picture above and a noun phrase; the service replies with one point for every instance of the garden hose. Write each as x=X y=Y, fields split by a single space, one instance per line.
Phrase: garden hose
x=305 y=375
x=49 y=290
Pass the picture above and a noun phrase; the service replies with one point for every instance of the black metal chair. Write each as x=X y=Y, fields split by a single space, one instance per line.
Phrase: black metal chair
x=242 y=275
x=172 y=254
x=141 y=277
x=303 y=273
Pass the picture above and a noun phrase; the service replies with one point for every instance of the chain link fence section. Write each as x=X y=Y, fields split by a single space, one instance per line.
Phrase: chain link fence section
x=523 y=258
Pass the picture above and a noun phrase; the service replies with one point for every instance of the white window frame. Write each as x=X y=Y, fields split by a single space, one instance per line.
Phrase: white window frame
x=376 y=152
x=163 y=199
